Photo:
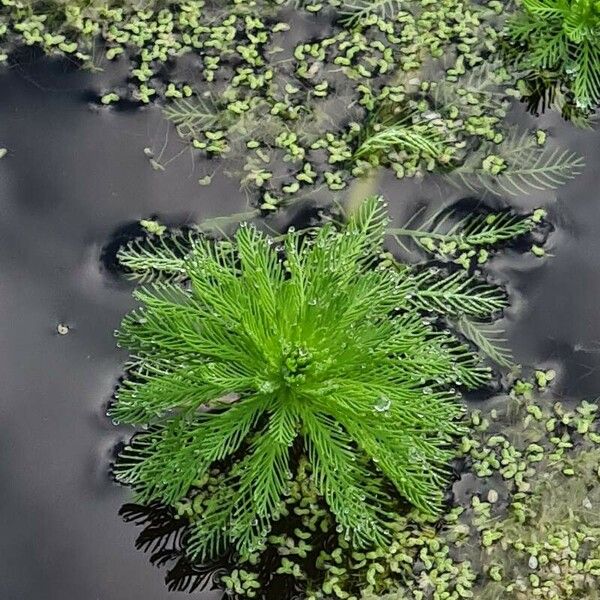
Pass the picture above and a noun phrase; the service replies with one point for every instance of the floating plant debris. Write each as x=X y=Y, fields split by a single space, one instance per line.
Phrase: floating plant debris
x=62 y=329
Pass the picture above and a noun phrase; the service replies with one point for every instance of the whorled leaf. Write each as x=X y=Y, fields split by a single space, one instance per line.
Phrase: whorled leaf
x=313 y=343
x=561 y=37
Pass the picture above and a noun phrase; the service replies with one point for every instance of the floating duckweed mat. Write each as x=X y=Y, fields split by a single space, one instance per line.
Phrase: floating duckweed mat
x=301 y=97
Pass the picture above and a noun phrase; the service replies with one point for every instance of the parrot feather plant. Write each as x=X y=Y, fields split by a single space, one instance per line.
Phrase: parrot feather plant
x=557 y=42
x=264 y=352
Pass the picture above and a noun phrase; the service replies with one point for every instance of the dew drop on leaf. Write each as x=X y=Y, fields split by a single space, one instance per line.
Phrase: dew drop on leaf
x=383 y=404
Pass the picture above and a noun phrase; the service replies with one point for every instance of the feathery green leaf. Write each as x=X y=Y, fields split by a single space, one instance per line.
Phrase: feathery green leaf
x=561 y=37
x=263 y=348
x=488 y=339
x=521 y=166
x=353 y=11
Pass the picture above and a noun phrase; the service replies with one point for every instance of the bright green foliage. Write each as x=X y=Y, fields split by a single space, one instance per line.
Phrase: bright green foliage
x=469 y=242
x=419 y=139
x=561 y=37
x=323 y=350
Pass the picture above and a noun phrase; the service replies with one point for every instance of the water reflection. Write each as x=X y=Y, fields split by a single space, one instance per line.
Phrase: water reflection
x=162 y=537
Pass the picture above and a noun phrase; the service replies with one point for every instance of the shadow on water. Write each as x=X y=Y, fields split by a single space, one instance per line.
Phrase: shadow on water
x=161 y=538
x=77 y=176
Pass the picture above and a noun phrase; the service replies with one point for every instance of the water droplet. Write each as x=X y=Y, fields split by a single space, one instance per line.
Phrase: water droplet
x=383 y=404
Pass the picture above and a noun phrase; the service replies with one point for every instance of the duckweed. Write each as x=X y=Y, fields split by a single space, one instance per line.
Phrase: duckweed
x=372 y=90
x=532 y=531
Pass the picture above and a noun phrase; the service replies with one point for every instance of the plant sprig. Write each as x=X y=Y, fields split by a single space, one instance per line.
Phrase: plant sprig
x=310 y=343
x=559 y=40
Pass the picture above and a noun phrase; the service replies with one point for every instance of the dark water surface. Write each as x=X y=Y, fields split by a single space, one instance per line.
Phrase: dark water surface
x=73 y=176
x=557 y=320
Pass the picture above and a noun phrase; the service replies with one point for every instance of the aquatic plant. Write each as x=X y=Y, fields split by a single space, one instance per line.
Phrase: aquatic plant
x=495 y=158
x=258 y=101
x=192 y=115
x=470 y=238
x=308 y=343
x=287 y=90
x=353 y=11
x=385 y=134
x=466 y=242
x=469 y=241
x=520 y=164
x=457 y=127
x=529 y=529
x=557 y=43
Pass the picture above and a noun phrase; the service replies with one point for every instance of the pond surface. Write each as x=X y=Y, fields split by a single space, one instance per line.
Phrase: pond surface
x=76 y=174
x=73 y=176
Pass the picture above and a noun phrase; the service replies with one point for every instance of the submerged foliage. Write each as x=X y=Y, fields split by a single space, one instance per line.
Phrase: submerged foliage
x=470 y=238
x=521 y=164
x=557 y=44
x=267 y=350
